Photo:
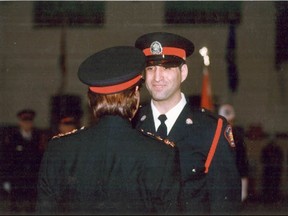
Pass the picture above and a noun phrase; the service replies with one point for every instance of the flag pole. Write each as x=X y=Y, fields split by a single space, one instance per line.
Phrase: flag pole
x=206 y=93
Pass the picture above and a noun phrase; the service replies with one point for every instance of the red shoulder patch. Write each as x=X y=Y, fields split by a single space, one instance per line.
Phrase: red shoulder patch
x=229 y=135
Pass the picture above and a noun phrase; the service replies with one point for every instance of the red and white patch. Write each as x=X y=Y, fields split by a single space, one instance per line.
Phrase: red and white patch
x=229 y=135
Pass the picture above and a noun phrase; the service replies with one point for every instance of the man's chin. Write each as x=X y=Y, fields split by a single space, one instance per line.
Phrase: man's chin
x=158 y=98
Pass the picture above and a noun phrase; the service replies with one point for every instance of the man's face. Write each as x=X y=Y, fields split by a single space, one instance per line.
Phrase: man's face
x=65 y=128
x=164 y=83
x=26 y=125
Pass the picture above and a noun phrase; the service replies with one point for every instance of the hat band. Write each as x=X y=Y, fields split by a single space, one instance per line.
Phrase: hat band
x=168 y=51
x=67 y=119
x=115 y=88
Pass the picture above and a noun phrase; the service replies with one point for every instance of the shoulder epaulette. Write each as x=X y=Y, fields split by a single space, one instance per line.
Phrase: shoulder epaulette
x=209 y=113
x=154 y=136
x=65 y=134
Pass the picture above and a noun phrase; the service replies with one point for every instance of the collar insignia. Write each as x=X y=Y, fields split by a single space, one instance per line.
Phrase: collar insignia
x=189 y=121
x=143 y=118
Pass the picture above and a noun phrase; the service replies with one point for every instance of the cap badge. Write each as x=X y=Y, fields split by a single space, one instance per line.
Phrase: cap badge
x=156 y=48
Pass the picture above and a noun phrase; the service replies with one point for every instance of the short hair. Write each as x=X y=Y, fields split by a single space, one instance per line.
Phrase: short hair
x=124 y=103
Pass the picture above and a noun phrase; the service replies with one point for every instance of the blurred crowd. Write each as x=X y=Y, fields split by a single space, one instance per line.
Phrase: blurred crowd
x=22 y=147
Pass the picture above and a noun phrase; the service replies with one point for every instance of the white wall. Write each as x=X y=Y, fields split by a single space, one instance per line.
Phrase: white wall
x=30 y=72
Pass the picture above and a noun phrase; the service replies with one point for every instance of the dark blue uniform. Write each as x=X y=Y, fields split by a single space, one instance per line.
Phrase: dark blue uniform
x=109 y=168
x=20 y=165
x=215 y=192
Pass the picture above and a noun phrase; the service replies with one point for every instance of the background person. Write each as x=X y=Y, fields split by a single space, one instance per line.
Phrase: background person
x=272 y=158
x=21 y=160
x=214 y=189
x=109 y=168
x=228 y=111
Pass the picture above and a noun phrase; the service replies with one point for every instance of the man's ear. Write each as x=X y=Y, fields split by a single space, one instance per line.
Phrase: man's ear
x=184 y=72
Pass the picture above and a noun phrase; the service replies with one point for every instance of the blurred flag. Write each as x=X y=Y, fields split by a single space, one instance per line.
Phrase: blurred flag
x=62 y=60
x=230 y=58
x=206 y=94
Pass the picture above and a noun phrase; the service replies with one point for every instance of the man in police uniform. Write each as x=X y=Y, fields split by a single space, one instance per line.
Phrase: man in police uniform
x=109 y=168
x=21 y=161
x=210 y=180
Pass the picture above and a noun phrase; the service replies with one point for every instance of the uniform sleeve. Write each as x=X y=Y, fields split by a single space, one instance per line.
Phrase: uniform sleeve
x=47 y=181
x=223 y=177
x=162 y=185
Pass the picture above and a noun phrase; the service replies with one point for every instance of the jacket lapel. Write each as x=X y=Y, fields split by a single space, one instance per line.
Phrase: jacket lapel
x=180 y=130
x=145 y=120
x=182 y=127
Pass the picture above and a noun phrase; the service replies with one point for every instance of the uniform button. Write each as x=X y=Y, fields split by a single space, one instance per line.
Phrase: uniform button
x=19 y=148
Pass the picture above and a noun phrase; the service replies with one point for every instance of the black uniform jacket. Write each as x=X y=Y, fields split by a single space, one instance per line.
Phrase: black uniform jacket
x=215 y=192
x=109 y=168
x=20 y=161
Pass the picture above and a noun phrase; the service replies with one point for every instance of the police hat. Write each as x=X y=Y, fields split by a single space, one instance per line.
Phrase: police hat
x=113 y=69
x=162 y=48
x=26 y=114
x=68 y=120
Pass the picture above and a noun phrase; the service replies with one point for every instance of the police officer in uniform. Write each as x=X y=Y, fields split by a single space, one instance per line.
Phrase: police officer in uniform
x=109 y=167
x=209 y=177
x=21 y=161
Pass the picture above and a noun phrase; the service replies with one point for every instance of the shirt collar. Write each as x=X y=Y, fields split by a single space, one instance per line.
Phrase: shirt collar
x=171 y=115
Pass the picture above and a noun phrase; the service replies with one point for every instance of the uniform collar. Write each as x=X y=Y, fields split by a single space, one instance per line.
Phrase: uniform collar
x=27 y=135
x=171 y=115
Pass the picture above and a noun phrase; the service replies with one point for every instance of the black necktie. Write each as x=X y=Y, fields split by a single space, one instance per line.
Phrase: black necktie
x=162 y=129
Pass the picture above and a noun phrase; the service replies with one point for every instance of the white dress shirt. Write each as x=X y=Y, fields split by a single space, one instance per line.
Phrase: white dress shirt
x=171 y=115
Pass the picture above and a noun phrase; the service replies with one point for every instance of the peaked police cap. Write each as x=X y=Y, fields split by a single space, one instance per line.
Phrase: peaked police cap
x=165 y=48
x=113 y=69
x=26 y=114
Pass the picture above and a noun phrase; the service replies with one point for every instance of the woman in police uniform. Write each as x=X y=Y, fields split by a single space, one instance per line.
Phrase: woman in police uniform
x=109 y=168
